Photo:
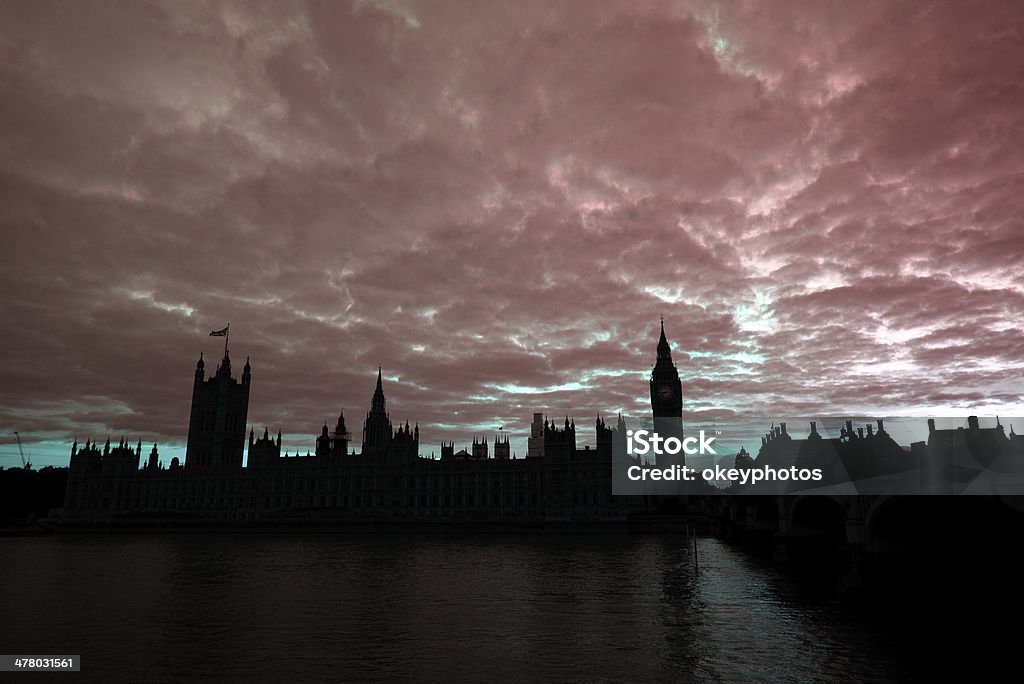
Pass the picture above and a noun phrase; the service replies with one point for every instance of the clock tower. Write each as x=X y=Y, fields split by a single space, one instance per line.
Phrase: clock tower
x=666 y=390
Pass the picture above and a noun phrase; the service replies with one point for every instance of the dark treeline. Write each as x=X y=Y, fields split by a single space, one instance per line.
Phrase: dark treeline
x=28 y=493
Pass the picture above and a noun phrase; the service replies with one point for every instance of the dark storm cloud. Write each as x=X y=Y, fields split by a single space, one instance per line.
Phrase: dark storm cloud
x=496 y=203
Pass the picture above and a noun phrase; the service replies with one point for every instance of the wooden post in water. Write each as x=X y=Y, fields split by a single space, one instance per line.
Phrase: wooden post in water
x=696 y=566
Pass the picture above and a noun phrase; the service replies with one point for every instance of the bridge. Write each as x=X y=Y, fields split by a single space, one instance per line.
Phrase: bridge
x=861 y=538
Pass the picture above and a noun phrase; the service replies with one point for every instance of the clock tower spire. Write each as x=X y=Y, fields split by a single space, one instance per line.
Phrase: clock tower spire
x=664 y=351
x=666 y=389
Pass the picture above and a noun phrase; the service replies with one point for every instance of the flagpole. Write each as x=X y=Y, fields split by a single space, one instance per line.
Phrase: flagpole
x=226 y=336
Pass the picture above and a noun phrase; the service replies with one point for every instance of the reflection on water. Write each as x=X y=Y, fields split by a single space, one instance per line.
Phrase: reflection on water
x=604 y=608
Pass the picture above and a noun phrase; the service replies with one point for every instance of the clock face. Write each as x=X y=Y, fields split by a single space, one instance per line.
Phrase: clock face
x=665 y=392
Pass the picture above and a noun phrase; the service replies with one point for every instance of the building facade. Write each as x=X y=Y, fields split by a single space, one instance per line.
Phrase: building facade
x=386 y=479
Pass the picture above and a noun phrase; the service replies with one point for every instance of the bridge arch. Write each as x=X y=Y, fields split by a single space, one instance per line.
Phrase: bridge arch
x=817 y=526
x=764 y=513
x=935 y=524
x=942 y=553
x=817 y=516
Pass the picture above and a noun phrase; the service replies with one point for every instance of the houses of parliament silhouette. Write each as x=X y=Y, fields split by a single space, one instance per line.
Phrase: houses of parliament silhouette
x=386 y=478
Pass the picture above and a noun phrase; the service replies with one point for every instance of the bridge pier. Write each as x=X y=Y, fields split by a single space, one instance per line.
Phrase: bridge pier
x=780 y=548
x=826 y=531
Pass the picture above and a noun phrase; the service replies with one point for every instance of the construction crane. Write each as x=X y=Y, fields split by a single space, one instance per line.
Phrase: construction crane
x=25 y=465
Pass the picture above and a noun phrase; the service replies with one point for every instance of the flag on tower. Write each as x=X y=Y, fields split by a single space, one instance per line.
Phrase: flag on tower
x=220 y=333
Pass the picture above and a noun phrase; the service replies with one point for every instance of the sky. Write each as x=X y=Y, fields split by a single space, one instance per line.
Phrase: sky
x=496 y=202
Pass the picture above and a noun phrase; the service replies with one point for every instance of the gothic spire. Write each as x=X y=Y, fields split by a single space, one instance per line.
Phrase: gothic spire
x=664 y=351
x=378 y=403
x=225 y=365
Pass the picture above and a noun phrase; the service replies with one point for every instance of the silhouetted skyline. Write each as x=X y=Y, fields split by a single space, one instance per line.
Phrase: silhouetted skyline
x=496 y=204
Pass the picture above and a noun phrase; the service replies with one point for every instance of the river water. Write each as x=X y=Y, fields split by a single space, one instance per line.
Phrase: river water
x=429 y=607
